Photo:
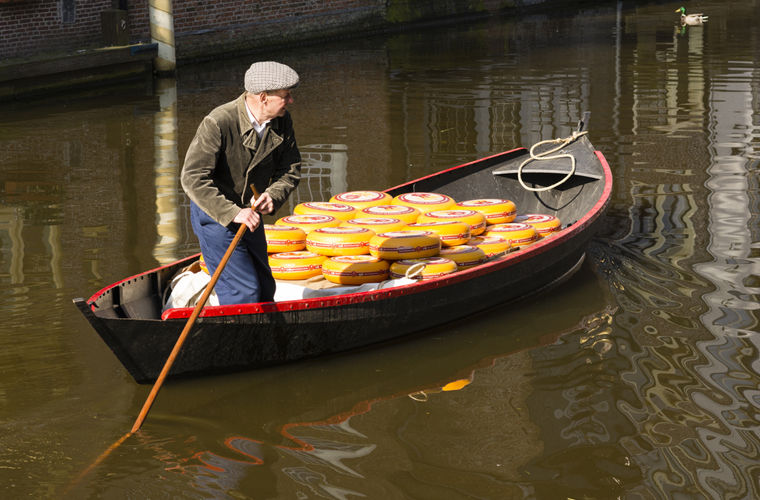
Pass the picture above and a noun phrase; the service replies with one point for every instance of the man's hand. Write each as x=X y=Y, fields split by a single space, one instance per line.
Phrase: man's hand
x=264 y=204
x=249 y=217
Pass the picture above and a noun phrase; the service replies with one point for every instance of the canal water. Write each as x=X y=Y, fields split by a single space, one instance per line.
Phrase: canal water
x=638 y=378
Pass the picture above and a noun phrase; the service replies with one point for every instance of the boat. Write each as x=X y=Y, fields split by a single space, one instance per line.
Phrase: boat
x=575 y=185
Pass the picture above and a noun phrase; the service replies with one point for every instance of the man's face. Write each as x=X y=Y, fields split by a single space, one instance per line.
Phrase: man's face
x=277 y=102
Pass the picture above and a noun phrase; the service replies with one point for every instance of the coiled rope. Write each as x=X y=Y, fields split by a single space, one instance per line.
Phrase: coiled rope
x=544 y=157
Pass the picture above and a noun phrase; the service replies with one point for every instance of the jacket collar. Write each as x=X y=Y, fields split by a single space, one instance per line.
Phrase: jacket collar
x=250 y=137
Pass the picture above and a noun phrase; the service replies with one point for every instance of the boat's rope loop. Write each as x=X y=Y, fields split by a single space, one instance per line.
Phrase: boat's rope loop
x=544 y=156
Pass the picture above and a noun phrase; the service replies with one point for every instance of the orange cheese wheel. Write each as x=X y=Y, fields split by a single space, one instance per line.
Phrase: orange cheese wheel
x=496 y=210
x=451 y=233
x=401 y=212
x=376 y=224
x=333 y=241
x=308 y=223
x=517 y=234
x=404 y=244
x=431 y=268
x=475 y=219
x=490 y=245
x=424 y=202
x=544 y=224
x=355 y=269
x=296 y=265
x=465 y=256
x=340 y=211
x=284 y=238
x=362 y=199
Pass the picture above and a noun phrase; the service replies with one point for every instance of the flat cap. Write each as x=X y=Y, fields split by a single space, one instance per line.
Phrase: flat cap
x=265 y=76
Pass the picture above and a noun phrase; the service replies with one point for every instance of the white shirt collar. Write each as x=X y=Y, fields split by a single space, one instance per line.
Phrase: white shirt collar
x=258 y=127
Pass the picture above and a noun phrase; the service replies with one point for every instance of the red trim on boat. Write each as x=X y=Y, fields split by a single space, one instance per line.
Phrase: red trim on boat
x=540 y=246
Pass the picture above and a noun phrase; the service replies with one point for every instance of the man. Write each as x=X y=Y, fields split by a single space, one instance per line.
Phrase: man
x=246 y=141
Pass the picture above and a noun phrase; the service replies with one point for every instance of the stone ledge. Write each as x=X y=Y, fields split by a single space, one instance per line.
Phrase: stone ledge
x=57 y=71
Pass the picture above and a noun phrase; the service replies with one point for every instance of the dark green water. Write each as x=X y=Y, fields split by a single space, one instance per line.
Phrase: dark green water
x=638 y=378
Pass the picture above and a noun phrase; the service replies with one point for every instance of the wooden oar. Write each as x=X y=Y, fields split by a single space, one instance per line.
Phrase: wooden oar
x=175 y=351
x=185 y=331
x=191 y=322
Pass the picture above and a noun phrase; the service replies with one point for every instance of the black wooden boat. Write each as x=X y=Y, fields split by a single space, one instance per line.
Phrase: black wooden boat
x=127 y=314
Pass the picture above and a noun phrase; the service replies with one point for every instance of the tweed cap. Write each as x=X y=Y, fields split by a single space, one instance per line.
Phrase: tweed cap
x=265 y=76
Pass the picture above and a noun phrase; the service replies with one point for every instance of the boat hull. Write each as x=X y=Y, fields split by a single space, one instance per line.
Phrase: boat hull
x=232 y=338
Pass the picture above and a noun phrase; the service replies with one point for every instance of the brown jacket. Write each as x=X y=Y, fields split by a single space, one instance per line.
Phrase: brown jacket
x=226 y=156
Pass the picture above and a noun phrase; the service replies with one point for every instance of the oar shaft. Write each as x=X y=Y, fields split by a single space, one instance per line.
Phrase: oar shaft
x=190 y=322
x=188 y=326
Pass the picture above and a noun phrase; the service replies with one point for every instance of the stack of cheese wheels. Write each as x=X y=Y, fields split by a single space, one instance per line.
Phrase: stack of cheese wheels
x=451 y=233
x=491 y=245
x=362 y=199
x=376 y=224
x=544 y=224
x=405 y=244
x=426 y=268
x=424 y=202
x=405 y=214
x=333 y=241
x=284 y=238
x=308 y=223
x=476 y=220
x=517 y=234
x=355 y=269
x=340 y=211
x=465 y=256
x=496 y=210
x=299 y=265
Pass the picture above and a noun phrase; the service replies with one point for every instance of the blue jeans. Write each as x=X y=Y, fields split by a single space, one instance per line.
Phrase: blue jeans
x=247 y=277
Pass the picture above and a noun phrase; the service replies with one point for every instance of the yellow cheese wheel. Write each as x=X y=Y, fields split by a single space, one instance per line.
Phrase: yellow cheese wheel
x=404 y=244
x=475 y=219
x=296 y=265
x=284 y=238
x=496 y=210
x=333 y=241
x=376 y=224
x=451 y=233
x=355 y=269
x=340 y=211
x=517 y=234
x=424 y=202
x=544 y=224
x=401 y=212
x=362 y=199
x=465 y=256
x=308 y=223
x=491 y=245
x=426 y=268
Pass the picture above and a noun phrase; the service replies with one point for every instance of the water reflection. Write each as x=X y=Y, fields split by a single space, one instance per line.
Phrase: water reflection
x=337 y=442
x=167 y=170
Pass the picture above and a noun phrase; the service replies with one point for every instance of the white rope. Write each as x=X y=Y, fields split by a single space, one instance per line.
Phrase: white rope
x=543 y=156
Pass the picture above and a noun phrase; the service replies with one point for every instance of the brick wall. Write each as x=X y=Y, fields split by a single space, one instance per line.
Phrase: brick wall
x=204 y=28
x=36 y=27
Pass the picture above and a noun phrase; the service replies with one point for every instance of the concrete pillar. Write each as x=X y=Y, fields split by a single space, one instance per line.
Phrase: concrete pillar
x=162 y=33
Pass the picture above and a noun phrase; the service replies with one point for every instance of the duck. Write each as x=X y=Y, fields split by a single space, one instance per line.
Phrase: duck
x=691 y=19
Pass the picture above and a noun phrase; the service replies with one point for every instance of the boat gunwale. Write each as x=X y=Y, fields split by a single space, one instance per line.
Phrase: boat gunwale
x=541 y=246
